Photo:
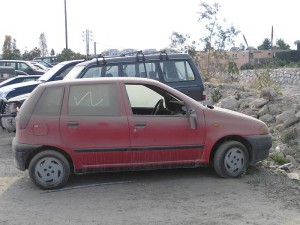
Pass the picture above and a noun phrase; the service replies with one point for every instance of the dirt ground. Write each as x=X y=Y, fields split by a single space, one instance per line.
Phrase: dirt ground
x=185 y=196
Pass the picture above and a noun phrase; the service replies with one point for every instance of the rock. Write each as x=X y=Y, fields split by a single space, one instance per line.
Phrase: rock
x=264 y=110
x=274 y=109
x=290 y=121
x=267 y=118
x=297 y=114
x=229 y=103
x=293 y=176
x=280 y=127
x=281 y=118
x=258 y=103
x=268 y=93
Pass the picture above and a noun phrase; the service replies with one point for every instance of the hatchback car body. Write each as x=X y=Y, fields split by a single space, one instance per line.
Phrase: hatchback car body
x=114 y=124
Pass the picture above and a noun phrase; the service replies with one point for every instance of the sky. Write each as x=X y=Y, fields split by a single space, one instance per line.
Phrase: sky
x=140 y=24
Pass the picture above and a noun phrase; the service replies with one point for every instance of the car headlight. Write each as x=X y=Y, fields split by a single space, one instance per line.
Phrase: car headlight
x=4 y=93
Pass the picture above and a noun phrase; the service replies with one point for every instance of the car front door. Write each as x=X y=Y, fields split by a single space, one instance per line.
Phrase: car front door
x=159 y=134
x=94 y=128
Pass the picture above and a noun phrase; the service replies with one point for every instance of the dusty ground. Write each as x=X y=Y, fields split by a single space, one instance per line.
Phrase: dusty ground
x=186 y=196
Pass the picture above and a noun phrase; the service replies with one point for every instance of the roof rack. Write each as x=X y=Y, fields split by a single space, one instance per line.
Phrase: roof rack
x=162 y=54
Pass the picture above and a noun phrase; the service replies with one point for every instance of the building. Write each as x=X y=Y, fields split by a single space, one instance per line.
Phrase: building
x=240 y=57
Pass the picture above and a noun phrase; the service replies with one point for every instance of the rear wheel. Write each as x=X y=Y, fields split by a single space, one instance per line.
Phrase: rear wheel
x=231 y=159
x=49 y=169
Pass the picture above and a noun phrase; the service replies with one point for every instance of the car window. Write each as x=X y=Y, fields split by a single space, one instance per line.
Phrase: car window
x=102 y=71
x=12 y=64
x=174 y=71
x=93 y=100
x=64 y=72
x=151 y=100
x=142 y=96
x=23 y=66
x=50 y=102
x=146 y=70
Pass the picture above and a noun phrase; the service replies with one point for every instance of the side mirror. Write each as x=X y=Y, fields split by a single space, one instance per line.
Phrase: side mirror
x=192 y=118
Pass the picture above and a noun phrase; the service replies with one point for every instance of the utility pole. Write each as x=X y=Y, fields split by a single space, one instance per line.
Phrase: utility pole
x=66 y=25
x=87 y=37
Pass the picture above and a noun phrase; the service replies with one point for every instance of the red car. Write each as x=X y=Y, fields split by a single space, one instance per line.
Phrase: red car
x=113 y=124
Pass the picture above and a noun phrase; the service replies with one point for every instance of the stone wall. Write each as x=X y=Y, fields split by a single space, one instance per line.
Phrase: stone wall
x=280 y=76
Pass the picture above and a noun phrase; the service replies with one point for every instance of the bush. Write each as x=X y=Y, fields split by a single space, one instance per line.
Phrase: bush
x=288 y=136
x=247 y=66
x=263 y=79
x=279 y=158
x=216 y=96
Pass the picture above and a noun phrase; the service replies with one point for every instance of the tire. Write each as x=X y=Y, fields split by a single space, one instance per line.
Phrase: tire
x=231 y=159
x=49 y=170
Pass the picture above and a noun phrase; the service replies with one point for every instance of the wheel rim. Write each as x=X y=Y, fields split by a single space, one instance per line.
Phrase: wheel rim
x=49 y=171
x=234 y=161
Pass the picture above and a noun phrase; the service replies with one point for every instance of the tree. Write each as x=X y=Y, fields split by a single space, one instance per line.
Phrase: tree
x=280 y=44
x=43 y=44
x=297 y=43
x=36 y=52
x=52 y=52
x=68 y=54
x=9 y=49
x=216 y=38
x=266 y=45
x=181 y=43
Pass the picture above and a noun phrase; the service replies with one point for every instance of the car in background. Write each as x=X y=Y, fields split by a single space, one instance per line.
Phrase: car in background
x=116 y=124
x=25 y=66
x=39 y=66
x=48 y=65
x=19 y=79
x=176 y=70
x=7 y=72
x=8 y=110
x=53 y=60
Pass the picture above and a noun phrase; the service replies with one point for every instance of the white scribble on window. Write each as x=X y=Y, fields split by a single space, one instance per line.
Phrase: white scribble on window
x=91 y=99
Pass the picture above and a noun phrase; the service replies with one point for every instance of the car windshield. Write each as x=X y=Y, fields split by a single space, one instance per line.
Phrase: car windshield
x=74 y=73
x=50 y=72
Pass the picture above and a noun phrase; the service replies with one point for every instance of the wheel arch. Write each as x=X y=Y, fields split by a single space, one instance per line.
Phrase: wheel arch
x=231 y=138
x=45 y=147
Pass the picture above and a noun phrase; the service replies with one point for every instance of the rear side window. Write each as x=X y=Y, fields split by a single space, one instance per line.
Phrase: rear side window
x=174 y=71
x=50 y=102
x=93 y=100
x=102 y=71
x=140 y=69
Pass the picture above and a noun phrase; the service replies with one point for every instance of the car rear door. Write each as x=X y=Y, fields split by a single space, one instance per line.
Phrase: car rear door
x=94 y=127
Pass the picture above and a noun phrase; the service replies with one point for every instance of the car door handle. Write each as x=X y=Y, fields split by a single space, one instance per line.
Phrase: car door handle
x=140 y=124
x=72 y=123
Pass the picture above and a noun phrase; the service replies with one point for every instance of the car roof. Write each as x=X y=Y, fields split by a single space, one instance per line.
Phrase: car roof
x=14 y=60
x=137 y=58
x=136 y=80
x=70 y=61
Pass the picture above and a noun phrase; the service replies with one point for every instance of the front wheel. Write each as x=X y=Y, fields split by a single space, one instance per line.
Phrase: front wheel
x=49 y=169
x=231 y=159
